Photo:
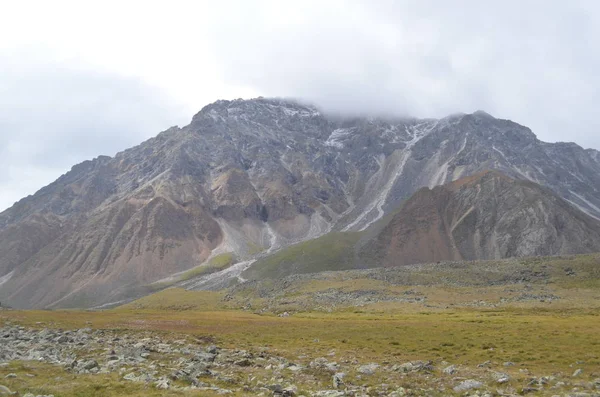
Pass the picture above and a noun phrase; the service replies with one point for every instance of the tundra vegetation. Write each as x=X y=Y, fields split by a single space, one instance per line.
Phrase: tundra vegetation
x=520 y=326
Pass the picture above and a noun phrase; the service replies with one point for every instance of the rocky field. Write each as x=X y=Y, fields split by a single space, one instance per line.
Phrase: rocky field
x=108 y=362
x=497 y=328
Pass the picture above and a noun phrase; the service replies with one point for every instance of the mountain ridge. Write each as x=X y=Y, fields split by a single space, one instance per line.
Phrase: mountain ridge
x=249 y=176
x=485 y=216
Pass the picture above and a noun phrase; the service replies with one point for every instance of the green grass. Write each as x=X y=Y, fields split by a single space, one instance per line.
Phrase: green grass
x=543 y=342
x=254 y=248
x=334 y=251
x=45 y=379
x=544 y=338
x=178 y=299
x=216 y=264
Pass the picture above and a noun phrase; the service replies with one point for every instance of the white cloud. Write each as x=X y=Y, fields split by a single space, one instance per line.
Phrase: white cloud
x=52 y=118
x=78 y=79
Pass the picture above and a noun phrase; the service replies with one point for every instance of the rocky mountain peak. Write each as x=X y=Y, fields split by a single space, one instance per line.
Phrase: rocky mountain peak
x=246 y=178
x=482 y=114
x=255 y=109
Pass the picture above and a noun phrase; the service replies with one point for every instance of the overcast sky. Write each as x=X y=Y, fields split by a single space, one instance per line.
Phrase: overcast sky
x=82 y=78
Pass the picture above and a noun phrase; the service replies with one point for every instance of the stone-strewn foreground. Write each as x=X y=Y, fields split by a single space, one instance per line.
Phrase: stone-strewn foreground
x=193 y=366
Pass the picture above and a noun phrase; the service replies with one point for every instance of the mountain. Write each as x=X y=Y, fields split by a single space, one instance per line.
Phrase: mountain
x=245 y=178
x=485 y=216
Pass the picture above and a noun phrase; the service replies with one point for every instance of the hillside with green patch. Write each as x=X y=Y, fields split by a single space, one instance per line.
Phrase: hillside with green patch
x=333 y=251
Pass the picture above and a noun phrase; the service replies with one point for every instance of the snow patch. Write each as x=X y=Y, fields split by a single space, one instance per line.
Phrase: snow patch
x=336 y=137
x=302 y=112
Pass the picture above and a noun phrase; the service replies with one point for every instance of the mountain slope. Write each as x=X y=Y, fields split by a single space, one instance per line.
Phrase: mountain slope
x=479 y=217
x=251 y=176
x=484 y=216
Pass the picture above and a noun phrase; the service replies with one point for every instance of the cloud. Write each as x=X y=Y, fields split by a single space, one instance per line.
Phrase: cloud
x=106 y=75
x=534 y=62
x=52 y=117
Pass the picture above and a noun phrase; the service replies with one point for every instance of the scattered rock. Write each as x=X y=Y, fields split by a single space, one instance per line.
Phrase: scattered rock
x=338 y=380
x=244 y=362
x=368 y=369
x=130 y=355
x=329 y=393
x=528 y=389
x=501 y=377
x=62 y=339
x=276 y=388
x=468 y=384
x=205 y=356
x=450 y=370
x=487 y=364
x=90 y=364
x=163 y=384
x=414 y=366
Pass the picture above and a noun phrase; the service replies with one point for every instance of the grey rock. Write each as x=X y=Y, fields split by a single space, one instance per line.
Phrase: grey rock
x=206 y=357
x=91 y=364
x=467 y=385
x=400 y=392
x=163 y=384
x=450 y=370
x=243 y=362
x=338 y=380
x=501 y=377
x=414 y=366
x=329 y=393
x=290 y=391
x=324 y=364
x=368 y=369
x=63 y=339
x=277 y=388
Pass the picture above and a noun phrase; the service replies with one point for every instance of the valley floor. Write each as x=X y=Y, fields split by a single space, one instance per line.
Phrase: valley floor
x=530 y=337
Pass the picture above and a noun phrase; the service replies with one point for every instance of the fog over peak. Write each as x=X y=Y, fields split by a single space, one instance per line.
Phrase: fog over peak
x=80 y=80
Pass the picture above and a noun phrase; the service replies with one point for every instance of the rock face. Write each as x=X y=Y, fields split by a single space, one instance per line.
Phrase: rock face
x=247 y=176
x=484 y=216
